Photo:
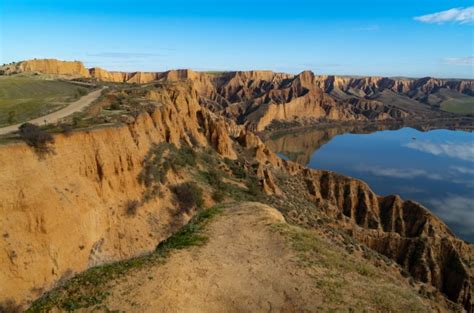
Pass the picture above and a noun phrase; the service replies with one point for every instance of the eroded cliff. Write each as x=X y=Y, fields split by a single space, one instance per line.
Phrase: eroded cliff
x=258 y=98
x=68 y=211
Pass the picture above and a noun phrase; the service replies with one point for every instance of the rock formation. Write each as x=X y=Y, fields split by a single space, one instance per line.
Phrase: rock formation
x=71 y=215
x=47 y=66
x=257 y=98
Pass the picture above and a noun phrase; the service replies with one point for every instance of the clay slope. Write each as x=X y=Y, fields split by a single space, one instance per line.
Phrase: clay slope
x=73 y=214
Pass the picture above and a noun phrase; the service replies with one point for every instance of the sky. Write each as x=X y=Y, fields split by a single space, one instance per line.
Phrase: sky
x=411 y=38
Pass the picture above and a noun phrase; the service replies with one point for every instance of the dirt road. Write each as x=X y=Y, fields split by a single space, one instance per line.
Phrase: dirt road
x=57 y=115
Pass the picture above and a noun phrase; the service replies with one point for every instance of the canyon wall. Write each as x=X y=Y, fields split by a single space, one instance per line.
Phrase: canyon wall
x=65 y=212
x=257 y=98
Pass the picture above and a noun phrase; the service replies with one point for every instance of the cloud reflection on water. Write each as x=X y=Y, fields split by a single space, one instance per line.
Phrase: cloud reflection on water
x=456 y=209
x=403 y=173
x=463 y=151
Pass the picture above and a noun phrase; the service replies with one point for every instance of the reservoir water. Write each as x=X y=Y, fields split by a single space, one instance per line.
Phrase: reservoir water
x=434 y=168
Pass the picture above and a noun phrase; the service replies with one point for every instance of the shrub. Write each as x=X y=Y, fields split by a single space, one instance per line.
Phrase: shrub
x=184 y=156
x=218 y=195
x=131 y=207
x=76 y=120
x=236 y=167
x=66 y=128
x=189 y=195
x=81 y=92
x=10 y=306
x=157 y=164
x=115 y=106
x=35 y=137
x=213 y=178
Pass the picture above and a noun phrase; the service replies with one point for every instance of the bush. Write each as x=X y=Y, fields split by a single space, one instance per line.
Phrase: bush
x=81 y=92
x=66 y=128
x=131 y=207
x=10 y=306
x=237 y=168
x=35 y=137
x=157 y=164
x=218 y=195
x=213 y=178
x=184 y=156
x=189 y=195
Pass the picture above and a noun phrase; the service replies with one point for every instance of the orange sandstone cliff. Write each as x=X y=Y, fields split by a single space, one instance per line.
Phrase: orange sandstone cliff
x=66 y=212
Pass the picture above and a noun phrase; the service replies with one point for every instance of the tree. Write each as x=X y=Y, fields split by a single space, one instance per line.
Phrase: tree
x=35 y=137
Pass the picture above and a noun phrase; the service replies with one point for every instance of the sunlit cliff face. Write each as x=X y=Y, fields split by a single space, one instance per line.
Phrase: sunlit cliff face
x=434 y=168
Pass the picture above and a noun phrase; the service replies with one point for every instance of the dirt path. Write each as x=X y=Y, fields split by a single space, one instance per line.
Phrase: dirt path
x=249 y=266
x=57 y=115
x=234 y=272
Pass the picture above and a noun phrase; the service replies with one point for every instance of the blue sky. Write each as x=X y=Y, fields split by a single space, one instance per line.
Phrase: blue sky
x=387 y=38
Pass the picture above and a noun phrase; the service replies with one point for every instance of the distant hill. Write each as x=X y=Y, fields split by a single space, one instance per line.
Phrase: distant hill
x=258 y=98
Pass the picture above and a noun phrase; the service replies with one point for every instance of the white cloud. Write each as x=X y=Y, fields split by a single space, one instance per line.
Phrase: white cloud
x=403 y=173
x=459 y=61
x=455 y=209
x=463 y=151
x=455 y=15
x=463 y=170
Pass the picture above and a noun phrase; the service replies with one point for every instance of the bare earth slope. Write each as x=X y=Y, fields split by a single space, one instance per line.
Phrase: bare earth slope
x=253 y=261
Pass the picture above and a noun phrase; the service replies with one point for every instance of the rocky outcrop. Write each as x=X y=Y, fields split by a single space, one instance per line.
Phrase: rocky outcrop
x=370 y=86
x=47 y=66
x=404 y=231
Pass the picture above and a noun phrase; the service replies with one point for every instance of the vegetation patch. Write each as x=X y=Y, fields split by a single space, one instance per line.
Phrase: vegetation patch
x=346 y=281
x=464 y=105
x=189 y=195
x=213 y=175
x=159 y=160
x=36 y=137
x=131 y=207
x=24 y=97
x=91 y=287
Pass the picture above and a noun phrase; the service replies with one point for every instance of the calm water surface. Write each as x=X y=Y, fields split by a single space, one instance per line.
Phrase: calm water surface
x=435 y=168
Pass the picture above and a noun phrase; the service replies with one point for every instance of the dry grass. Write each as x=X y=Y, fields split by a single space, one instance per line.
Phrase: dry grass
x=346 y=280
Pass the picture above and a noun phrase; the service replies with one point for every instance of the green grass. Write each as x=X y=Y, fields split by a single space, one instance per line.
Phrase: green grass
x=91 y=287
x=345 y=281
x=26 y=97
x=464 y=105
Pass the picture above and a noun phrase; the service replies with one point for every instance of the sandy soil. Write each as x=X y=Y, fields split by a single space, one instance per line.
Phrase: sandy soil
x=235 y=271
x=249 y=266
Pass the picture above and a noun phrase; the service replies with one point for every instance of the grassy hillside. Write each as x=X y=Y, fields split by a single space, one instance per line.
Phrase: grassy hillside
x=23 y=97
x=464 y=105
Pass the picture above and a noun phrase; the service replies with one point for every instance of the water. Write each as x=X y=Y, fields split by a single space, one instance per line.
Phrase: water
x=435 y=168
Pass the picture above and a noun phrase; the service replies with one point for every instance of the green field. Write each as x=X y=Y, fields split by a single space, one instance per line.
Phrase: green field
x=23 y=97
x=464 y=105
